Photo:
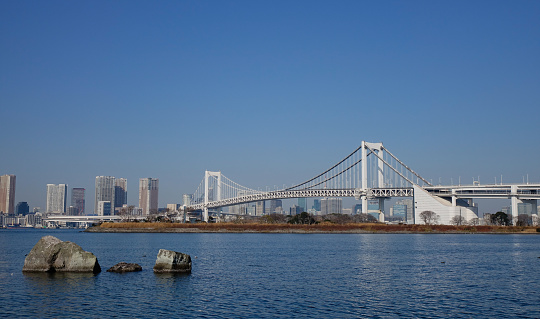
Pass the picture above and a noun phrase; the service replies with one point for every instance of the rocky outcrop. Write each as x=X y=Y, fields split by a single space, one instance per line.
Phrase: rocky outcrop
x=50 y=254
x=172 y=261
x=125 y=267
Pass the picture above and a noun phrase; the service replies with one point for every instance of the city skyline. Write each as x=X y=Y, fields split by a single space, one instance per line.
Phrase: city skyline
x=268 y=94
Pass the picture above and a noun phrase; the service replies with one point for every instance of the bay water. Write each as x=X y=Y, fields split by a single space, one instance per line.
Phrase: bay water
x=251 y=275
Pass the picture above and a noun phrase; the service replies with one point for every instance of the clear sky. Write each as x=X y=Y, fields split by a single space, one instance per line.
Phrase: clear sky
x=268 y=92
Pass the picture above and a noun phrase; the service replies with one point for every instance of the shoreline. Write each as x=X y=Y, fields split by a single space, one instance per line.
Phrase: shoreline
x=307 y=229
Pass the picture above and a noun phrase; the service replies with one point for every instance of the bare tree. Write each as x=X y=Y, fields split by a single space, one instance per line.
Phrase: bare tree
x=524 y=220
x=457 y=220
x=474 y=222
x=429 y=217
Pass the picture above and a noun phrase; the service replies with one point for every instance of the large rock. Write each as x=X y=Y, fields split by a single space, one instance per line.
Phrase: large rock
x=172 y=261
x=50 y=254
x=125 y=267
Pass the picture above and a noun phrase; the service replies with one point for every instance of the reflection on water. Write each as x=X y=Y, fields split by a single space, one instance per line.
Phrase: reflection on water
x=281 y=275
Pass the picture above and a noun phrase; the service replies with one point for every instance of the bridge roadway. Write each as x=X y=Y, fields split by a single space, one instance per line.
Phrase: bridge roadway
x=522 y=192
x=284 y=194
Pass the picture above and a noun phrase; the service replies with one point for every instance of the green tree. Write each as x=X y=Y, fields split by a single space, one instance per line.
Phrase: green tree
x=500 y=219
x=302 y=218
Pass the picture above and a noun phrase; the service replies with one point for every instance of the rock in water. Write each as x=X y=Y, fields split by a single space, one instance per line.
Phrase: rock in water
x=172 y=261
x=51 y=254
x=125 y=267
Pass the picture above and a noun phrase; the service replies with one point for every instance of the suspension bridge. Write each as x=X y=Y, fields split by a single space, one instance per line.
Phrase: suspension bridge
x=370 y=172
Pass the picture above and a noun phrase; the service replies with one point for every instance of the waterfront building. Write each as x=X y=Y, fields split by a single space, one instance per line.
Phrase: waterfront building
x=72 y=211
x=172 y=207
x=7 y=194
x=120 y=192
x=77 y=200
x=148 y=195
x=331 y=206
x=104 y=208
x=104 y=190
x=22 y=208
x=56 y=198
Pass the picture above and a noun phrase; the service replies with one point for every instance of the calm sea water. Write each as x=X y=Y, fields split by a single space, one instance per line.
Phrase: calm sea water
x=282 y=275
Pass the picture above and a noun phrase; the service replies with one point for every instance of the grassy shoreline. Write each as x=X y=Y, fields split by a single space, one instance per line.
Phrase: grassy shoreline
x=130 y=227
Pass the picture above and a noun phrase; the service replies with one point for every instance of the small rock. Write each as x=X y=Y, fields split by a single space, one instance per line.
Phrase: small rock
x=125 y=267
x=172 y=261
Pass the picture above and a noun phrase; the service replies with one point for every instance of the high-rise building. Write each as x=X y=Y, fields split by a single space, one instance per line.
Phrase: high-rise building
x=120 y=192
x=77 y=200
x=7 y=194
x=259 y=208
x=410 y=209
x=331 y=206
x=148 y=195
x=104 y=208
x=400 y=211
x=56 y=198
x=302 y=203
x=22 y=208
x=186 y=199
x=316 y=205
x=104 y=190
x=274 y=205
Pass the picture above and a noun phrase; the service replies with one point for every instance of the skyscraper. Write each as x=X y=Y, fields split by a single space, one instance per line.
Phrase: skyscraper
x=331 y=206
x=7 y=194
x=302 y=203
x=22 y=208
x=77 y=200
x=56 y=198
x=104 y=190
x=148 y=195
x=120 y=192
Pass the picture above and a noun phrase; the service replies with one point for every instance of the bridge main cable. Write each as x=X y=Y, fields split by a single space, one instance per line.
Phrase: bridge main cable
x=328 y=170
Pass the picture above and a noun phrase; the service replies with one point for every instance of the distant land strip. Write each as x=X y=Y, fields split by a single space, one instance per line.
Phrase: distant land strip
x=321 y=228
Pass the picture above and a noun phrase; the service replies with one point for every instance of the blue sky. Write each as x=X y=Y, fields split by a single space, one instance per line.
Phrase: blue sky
x=268 y=92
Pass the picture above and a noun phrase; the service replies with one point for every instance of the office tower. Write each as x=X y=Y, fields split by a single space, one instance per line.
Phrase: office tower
x=120 y=192
x=104 y=208
x=400 y=211
x=148 y=195
x=22 y=208
x=104 y=190
x=7 y=194
x=317 y=205
x=410 y=213
x=274 y=205
x=259 y=208
x=56 y=198
x=77 y=200
x=331 y=206
x=295 y=210
x=302 y=203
